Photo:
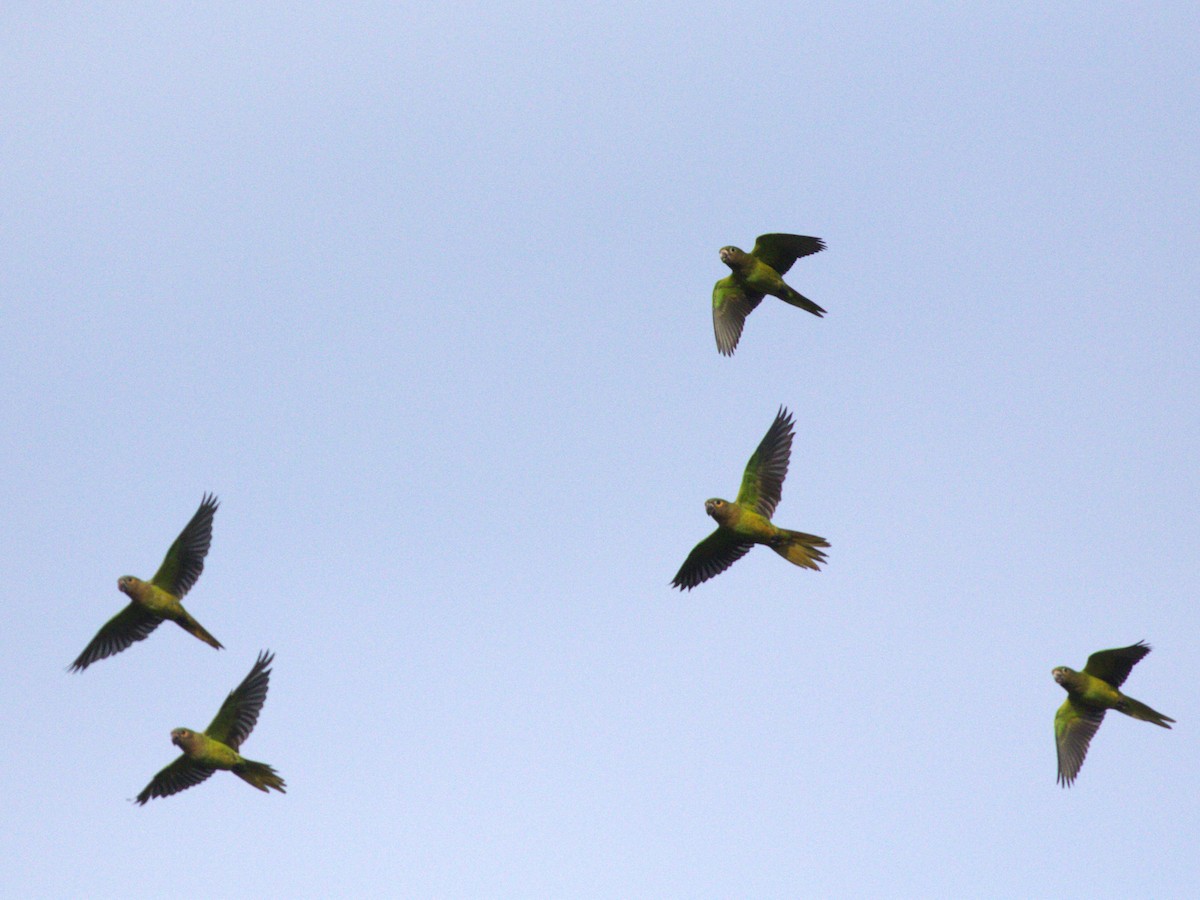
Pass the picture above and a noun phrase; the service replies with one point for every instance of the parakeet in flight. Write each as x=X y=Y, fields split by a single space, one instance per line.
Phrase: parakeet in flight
x=754 y=275
x=217 y=746
x=151 y=602
x=1090 y=694
x=747 y=522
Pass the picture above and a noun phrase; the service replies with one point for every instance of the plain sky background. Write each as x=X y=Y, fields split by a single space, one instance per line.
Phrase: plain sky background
x=422 y=292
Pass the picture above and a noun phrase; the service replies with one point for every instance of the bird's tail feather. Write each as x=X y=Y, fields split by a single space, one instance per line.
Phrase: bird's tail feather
x=800 y=549
x=797 y=299
x=1140 y=710
x=259 y=775
x=191 y=626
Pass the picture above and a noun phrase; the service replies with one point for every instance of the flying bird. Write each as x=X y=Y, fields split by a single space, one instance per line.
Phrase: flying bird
x=1090 y=694
x=217 y=746
x=746 y=522
x=158 y=599
x=756 y=274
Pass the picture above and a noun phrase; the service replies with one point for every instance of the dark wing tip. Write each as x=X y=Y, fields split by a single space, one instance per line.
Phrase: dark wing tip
x=784 y=429
x=1066 y=776
x=684 y=579
x=239 y=713
x=727 y=331
x=1142 y=650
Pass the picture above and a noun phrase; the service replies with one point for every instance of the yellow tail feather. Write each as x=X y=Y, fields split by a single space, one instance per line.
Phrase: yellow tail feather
x=801 y=549
x=259 y=775
x=1139 y=710
x=191 y=626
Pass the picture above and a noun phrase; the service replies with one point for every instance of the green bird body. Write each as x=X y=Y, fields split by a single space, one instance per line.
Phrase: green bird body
x=755 y=275
x=217 y=746
x=1090 y=694
x=747 y=521
x=160 y=598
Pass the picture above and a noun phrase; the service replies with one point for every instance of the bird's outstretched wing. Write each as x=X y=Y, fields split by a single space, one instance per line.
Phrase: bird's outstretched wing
x=779 y=251
x=239 y=713
x=762 y=483
x=185 y=560
x=710 y=557
x=1074 y=725
x=731 y=304
x=130 y=625
x=1114 y=665
x=178 y=776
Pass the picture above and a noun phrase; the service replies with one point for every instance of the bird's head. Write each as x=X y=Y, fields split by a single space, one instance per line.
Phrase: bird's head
x=1062 y=674
x=717 y=508
x=731 y=256
x=125 y=584
x=183 y=738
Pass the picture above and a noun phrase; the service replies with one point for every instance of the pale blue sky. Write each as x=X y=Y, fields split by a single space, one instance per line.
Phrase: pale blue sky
x=422 y=293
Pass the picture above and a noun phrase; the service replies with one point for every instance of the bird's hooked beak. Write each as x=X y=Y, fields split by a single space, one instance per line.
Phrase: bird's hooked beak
x=725 y=254
x=1059 y=674
x=177 y=737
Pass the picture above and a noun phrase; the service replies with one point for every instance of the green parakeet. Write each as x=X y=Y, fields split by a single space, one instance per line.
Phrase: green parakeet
x=1090 y=694
x=151 y=602
x=756 y=274
x=747 y=522
x=217 y=747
